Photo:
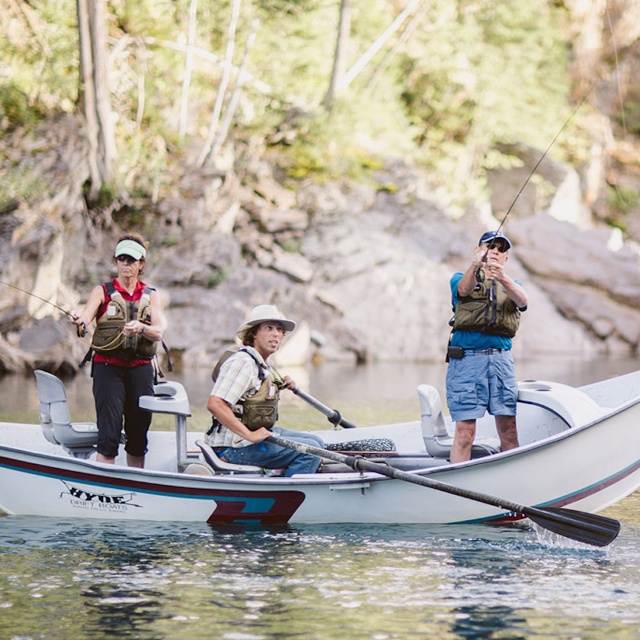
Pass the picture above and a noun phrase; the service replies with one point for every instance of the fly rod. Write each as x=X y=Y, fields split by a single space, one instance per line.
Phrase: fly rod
x=480 y=272
x=81 y=328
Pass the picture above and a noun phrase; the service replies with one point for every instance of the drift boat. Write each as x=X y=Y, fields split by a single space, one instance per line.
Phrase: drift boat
x=579 y=448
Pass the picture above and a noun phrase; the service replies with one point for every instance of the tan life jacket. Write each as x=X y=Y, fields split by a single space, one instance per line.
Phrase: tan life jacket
x=261 y=409
x=487 y=309
x=108 y=338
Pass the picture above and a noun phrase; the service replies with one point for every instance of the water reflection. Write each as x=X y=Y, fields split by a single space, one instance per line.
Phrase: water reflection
x=487 y=621
x=153 y=581
x=368 y=394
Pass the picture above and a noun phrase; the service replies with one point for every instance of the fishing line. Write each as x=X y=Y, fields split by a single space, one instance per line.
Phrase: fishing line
x=479 y=272
x=614 y=183
x=544 y=155
x=81 y=329
x=615 y=53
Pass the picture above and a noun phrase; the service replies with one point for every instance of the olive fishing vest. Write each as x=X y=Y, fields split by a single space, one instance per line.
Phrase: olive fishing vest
x=108 y=339
x=260 y=409
x=487 y=309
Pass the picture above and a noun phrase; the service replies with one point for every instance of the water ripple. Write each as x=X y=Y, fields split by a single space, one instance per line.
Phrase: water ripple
x=165 y=581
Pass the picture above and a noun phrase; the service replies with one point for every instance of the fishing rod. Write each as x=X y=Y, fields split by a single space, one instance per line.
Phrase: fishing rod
x=479 y=271
x=81 y=329
x=544 y=155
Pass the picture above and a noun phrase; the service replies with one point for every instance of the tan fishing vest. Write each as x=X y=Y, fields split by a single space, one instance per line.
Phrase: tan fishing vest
x=261 y=409
x=108 y=339
x=487 y=309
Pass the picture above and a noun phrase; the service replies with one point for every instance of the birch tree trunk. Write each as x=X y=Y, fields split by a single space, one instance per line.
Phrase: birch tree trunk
x=188 y=68
x=93 y=95
x=336 y=84
x=221 y=136
x=222 y=88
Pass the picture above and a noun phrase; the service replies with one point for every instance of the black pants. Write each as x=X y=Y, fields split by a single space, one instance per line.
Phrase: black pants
x=116 y=391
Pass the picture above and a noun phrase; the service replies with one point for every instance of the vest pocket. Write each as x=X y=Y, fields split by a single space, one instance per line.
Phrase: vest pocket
x=108 y=337
x=258 y=416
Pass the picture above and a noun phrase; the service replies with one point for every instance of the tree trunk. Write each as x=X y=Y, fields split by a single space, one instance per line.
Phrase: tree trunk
x=188 y=68
x=222 y=88
x=379 y=42
x=235 y=94
x=93 y=95
x=336 y=84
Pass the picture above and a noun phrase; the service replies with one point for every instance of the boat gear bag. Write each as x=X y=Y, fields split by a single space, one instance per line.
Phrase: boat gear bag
x=487 y=309
x=259 y=410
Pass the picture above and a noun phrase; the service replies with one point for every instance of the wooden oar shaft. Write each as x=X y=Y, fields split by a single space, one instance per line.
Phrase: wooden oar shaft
x=333 y=415
x=577 y=525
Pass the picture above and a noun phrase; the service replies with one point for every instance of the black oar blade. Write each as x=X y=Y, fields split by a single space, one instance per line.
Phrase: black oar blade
x=577 y=525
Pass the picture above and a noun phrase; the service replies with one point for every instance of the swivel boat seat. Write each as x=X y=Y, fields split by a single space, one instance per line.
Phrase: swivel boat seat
x=77 y=438
x=437 y=439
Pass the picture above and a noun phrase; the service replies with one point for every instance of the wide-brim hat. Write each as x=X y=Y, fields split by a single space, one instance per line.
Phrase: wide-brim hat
x=264 y=313
x=488 y=236
x=130 y=248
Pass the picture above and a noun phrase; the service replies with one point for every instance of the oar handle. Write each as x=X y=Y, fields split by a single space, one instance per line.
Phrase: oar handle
x=333 y=416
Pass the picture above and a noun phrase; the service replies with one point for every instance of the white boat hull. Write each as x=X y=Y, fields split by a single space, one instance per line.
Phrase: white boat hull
x=586 y=467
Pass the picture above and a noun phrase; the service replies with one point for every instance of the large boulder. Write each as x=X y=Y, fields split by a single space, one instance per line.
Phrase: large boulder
x=590 y=278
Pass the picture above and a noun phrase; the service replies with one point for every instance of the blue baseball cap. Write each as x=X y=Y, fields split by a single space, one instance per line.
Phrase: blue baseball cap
x=488 y=236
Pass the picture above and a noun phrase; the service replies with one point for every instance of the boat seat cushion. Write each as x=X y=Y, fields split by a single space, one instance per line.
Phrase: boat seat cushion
x=366 y=447
x=437 y=438
x=77 y=438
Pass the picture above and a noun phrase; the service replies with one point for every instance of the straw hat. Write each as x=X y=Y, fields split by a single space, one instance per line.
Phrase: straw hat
x=264 y=313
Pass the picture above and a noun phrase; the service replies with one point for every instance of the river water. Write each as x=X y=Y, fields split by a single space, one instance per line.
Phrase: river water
x=149 y=581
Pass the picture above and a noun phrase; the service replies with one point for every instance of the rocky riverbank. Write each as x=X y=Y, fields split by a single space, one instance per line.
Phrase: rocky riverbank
x=363 y=266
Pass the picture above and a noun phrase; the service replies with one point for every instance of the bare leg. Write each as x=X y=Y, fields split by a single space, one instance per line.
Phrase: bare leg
x=507 y=432
x=101 y=458
x=135 y=461
x=462 y=441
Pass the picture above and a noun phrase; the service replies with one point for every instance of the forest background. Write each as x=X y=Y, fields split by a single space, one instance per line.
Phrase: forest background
x=227 y=131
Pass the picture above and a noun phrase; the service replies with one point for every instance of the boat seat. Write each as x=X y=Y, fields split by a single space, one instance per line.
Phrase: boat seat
x=77 y=438
x=437 y=438
x=222 y=467
x=572 y=405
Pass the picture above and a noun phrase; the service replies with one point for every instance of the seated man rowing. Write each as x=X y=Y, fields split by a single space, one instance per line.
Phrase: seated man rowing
x=244 y=399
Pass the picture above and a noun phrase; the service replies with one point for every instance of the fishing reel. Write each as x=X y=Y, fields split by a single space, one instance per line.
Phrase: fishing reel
x=81 y=330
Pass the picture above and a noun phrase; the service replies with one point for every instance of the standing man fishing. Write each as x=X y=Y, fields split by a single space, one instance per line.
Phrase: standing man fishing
x=481 y=375
x=128 y=325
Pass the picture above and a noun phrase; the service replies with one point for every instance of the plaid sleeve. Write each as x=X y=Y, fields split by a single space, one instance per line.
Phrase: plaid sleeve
x=238 y=375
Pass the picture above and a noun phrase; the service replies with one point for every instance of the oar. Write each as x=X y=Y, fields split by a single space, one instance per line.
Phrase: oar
x=333 y=415
x=577 y=525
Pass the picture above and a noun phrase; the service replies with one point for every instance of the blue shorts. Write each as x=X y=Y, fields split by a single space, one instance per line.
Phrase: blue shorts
x=482 y=382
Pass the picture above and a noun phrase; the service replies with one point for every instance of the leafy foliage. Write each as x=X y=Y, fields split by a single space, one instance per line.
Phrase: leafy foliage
x=453 y=80
x=495 y=73
x=39 y=52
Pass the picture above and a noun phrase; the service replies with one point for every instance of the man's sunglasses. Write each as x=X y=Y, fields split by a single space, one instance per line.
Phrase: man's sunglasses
x=500 y=245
